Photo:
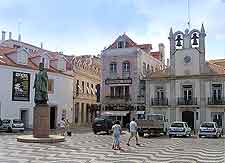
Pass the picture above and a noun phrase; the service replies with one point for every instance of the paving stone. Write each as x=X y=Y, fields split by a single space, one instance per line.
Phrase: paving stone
x=89 y=148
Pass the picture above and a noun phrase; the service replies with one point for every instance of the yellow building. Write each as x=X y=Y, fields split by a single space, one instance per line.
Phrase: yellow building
x=87 y=79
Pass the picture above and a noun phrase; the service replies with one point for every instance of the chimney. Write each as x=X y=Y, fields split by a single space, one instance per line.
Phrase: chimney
x=168 y=62
x=19 y=37
x=41 y=45
x=3 y=35
x=10 y=35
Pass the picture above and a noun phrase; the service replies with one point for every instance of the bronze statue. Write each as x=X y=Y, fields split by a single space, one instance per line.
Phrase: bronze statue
x=41 y=86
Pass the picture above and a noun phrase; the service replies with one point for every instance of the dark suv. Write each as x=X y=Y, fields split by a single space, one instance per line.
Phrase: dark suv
x=102 y=124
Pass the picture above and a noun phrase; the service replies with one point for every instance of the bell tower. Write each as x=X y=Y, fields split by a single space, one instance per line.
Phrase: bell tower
x=187 y=49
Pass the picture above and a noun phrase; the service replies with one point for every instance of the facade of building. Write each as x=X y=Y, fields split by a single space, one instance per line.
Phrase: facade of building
x=87 y=79
x=191 y=89
x=17 y=71
x=124 y=65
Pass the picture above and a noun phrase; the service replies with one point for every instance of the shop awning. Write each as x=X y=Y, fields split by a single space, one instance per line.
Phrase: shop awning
x=140 y=112
x=115 y=113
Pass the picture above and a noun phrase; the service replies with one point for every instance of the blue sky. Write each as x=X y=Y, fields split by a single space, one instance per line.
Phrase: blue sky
x=87 y=26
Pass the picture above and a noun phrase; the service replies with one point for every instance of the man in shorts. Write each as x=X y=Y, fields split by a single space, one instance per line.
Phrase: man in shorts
x=133 y=132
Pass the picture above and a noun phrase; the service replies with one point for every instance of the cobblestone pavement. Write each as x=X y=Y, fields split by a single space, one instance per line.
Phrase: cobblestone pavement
x=89 y=148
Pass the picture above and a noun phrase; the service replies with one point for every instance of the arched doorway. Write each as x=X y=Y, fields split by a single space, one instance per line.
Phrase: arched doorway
x=188 y=116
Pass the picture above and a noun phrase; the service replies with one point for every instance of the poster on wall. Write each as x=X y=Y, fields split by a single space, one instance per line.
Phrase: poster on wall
x=21 y=86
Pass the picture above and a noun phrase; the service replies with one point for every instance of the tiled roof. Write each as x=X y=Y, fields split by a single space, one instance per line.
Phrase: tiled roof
x=5 y=60
x=220 y=62
x=156 y=55
x=145 y=46
x=214 y=68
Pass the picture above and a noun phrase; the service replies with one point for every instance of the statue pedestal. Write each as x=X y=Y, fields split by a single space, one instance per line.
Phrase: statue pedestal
x=41 y=120
x=41 y=131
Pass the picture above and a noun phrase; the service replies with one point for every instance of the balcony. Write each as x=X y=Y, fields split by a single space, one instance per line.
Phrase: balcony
x=216 y=101
x=184 y=101
x=159 y=101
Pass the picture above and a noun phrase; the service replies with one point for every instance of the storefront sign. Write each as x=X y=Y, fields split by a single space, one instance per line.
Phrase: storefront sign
x=118 y=81
x=21 y=86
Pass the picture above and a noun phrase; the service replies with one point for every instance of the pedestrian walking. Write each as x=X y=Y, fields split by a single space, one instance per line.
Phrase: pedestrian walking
x=116 y=135
x=133 y=132
x=62 y=126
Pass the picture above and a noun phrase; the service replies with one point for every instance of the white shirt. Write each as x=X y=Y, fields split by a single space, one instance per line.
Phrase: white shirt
x=133 y=126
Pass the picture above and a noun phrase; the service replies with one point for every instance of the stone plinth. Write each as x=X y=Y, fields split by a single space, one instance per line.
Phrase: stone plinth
x=32 y=139
x=41 y=120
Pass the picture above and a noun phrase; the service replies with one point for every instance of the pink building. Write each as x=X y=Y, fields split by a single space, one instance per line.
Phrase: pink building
x=124 y=65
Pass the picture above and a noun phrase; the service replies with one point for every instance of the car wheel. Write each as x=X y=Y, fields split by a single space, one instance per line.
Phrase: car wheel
x=107 y=132
x=95 y=132
x=170 y=136
x=199 y=136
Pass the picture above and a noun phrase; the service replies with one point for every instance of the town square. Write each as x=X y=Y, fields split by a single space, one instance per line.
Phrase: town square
x=112 y=81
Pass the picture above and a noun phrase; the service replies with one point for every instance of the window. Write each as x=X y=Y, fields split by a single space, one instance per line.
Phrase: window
x=45 y=61
x=160 y=93
x=126 y=66
x=77 y=87
x=77 y=112
x=22 y=57
x=187 y=92
x=82 y=112
x=83 y=86
x=144 y=67
x=113 y=68
x=61 y=64
x=50 y=86
x=216 y=91
x=126 y=91
x=112 y=91
x=92 y=89
x=120 y=44
x=196 y=115
x=142 y=88
x=88 y=92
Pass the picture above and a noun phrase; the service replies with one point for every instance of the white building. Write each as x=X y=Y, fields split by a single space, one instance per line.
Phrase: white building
x=191 y=89
x=17 y=71
x=124 y=65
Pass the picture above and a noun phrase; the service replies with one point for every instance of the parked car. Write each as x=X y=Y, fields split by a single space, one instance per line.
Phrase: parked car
x=6 y=125
x=102 y=124
x=12 y=125
x=17 y=125
x=179 y=129
x=210 y=129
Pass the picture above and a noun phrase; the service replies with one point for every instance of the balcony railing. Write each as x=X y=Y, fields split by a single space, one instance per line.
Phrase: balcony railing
x=159 y=101
x=184 y=101
x=215 y=101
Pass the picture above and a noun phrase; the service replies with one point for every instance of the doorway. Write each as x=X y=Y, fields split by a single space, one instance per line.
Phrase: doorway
x=24 y=118
x=188 y=116
x=53 y=117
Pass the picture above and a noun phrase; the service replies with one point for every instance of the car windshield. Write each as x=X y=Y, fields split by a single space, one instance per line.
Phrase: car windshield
x=177 y=125
x=17 y=121
x=99 y=120
x=208 y=125
x=6 y=121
